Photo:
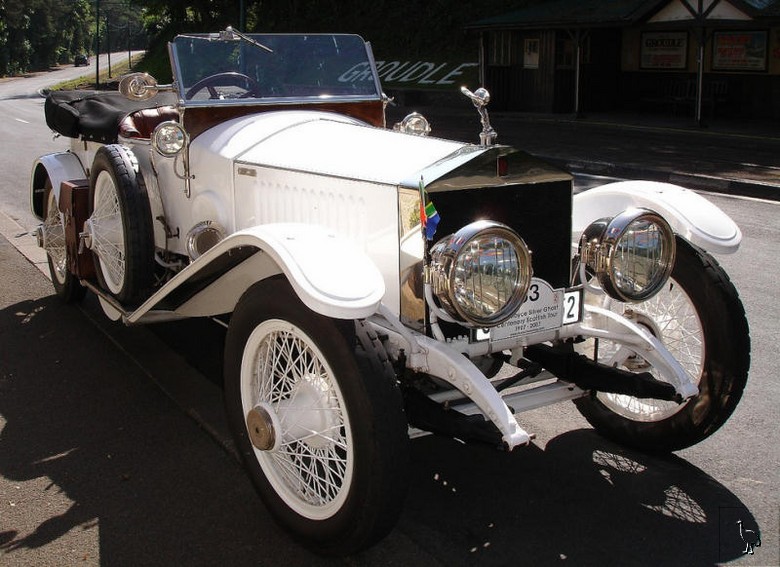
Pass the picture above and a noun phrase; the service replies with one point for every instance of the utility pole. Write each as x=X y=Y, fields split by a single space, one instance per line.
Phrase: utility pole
x=97 y=44
x=129 y=45
x=108 y=44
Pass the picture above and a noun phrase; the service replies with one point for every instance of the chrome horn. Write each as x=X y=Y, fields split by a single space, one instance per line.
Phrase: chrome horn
x=480 y=98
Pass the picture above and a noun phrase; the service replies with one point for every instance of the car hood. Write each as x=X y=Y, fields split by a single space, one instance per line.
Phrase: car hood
x=334 y=145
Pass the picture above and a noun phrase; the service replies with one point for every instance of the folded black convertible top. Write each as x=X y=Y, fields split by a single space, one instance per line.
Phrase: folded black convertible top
x=94 y=115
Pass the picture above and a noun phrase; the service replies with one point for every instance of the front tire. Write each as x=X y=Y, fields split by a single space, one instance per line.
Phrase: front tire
x=318 y=420
x=700 y=319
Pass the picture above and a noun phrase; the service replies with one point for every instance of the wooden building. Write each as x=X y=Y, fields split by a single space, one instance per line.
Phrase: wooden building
x=687 y=57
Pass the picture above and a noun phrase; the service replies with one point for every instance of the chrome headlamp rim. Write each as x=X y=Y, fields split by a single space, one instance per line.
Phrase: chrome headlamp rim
x=158 y=138
x=202 y=237
x=601 y=244
x=445 y=256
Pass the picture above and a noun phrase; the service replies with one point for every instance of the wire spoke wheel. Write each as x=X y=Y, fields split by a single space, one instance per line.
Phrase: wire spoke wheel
x=699 y=318
x=66 y=285
x=671 y=316
x=108 y=240
x=54 y=239
x=318 y=419
x=312 y=466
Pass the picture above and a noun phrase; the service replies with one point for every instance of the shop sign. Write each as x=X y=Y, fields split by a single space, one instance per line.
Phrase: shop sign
x=664 y=50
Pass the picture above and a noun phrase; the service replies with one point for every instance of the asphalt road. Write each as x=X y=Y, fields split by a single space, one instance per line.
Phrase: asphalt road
x=113 y=446
x=25 y=133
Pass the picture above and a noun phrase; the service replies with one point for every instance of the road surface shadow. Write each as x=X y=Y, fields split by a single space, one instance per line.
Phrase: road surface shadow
x=82 y=423
x=91 y=451
x=581 y=501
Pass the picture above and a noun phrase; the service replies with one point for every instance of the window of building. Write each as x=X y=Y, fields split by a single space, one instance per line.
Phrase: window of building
x=531 y=53
x=500 y=49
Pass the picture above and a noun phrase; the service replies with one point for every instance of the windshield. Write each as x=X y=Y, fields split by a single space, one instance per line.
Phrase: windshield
x=264 y=67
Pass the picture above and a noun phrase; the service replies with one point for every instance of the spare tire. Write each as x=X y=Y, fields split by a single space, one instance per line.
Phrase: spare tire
x=122 y=236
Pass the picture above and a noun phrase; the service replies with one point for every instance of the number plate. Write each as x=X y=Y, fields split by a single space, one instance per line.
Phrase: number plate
x=545 y=309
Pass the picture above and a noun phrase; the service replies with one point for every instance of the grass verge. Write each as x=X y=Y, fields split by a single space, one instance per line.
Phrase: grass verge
x=88 y=81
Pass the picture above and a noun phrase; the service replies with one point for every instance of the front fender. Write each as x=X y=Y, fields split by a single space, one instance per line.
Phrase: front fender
x=59 y=167
x=330 y=274
x=691 y=216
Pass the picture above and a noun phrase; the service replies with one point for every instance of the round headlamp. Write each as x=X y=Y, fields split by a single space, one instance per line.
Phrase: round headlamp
x=415 y=124
x=169 y=138
x=480 y=275
x=632 y=255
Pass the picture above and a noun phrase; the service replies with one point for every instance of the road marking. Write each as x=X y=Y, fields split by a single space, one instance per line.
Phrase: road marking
x=22 y=121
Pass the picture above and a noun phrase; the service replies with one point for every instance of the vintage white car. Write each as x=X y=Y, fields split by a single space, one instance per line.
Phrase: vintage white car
x=379 y=283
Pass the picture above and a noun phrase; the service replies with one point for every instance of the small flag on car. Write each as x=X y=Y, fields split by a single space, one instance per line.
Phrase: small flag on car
x=429 y=216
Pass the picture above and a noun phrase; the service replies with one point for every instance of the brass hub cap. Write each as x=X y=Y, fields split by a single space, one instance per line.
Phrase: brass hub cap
x=261 y=428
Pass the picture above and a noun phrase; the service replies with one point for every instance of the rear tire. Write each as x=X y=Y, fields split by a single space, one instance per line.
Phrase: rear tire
x=328 y=449
x=66 y=285
x=700 y=319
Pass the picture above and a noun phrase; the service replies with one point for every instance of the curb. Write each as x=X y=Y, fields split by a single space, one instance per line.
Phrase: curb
x=695 y=181
x=23 y=240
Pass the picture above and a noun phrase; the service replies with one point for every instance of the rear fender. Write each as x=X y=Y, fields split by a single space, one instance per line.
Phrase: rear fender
x=58 y=167
x=691 y=216
x=330 y=275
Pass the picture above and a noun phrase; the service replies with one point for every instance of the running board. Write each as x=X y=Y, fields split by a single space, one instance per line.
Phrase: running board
x=519 y=401
x=116 y=311
x=532 y=398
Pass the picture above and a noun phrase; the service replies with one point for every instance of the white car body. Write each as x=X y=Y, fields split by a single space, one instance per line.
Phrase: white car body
x=246 y=186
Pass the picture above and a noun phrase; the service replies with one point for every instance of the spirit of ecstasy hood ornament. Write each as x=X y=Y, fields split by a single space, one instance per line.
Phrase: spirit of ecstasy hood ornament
x=481 y=98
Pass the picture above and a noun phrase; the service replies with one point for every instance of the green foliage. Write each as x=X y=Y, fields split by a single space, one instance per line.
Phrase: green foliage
x=155 y=61
x=37 y=34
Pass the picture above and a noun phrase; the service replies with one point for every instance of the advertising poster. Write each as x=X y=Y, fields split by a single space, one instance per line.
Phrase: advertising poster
x=739 y=51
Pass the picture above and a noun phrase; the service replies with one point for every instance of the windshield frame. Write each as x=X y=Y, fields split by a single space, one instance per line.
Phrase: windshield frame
x=369 y=66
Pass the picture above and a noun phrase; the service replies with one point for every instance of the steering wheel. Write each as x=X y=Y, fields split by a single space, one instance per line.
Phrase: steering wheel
x=229 y=79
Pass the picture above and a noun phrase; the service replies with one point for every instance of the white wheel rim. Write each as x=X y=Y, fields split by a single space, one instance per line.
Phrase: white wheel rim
x=54 y=239
x=675 y=318
x=107 y=232
x=311 y=466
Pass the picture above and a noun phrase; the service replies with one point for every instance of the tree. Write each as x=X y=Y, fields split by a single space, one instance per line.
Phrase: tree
x=37 y=34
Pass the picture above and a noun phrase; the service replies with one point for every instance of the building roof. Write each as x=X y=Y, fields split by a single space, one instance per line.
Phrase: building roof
x=602 y=13
x=571 y=12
